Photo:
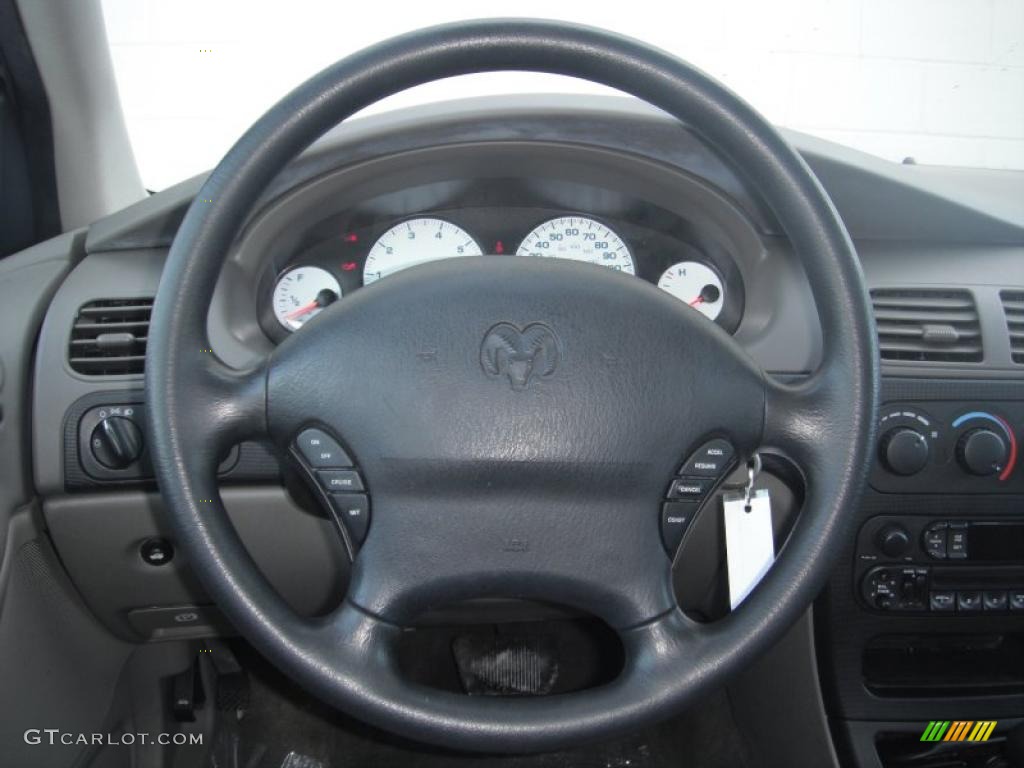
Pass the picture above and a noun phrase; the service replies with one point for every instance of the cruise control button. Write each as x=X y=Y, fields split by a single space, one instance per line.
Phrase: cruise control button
x=340 y=480
x=676 y=517
x=710 y=460
x=352 y=511
x=320 y=450
x=691 y=488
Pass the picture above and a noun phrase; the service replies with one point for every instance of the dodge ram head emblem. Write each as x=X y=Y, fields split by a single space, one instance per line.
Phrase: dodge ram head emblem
x=521 y=355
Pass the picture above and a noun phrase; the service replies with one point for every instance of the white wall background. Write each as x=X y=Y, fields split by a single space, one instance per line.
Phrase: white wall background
x=939 y=80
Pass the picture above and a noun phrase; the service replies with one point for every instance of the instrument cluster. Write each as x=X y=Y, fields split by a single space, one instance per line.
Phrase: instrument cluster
x=342 y=254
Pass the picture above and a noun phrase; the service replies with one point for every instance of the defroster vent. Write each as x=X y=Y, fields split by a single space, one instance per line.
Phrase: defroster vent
x=109 y=337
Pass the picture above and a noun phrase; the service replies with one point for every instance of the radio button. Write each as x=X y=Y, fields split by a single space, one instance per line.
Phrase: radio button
x=957 y=542
x=942 y=601
x=968 y=600
x=995 y=600
x=935 y=541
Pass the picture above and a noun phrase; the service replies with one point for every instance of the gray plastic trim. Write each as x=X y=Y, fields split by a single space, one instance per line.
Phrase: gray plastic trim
x=113 y=275
x=795 y=735
x=28 y=281
x=60 y=666
x=96 y=172
x=98 y=537
x=876 y=198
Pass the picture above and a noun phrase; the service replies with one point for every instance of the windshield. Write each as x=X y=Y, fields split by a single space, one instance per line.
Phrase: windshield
x=939 y=82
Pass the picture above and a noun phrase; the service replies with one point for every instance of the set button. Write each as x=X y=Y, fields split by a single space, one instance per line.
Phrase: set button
x=353 y=511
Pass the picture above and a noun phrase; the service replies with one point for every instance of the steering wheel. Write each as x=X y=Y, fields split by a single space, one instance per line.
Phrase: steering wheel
x=540 y=476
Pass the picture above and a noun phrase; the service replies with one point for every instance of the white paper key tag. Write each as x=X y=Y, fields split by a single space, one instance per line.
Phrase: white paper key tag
x=749 y=544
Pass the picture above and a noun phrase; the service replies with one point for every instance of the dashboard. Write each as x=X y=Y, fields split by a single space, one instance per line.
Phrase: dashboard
x=615 y=186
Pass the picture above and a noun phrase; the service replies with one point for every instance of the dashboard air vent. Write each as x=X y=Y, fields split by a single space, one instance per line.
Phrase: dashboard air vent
x=1013 y=308
x=927 y=325
x=109 y=337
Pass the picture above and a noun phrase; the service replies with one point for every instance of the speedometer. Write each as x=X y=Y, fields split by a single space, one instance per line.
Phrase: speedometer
x=581 y=239
x=416 y=241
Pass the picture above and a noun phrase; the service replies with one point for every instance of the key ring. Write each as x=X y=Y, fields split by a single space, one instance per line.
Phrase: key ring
x=753 y=469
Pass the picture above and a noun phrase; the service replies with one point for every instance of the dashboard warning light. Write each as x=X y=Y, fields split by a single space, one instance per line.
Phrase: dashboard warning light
x=351 y=237
x=349 y=266
x=499 y=247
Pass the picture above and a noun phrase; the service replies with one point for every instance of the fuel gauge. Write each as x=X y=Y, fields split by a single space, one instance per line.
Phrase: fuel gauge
x=303 y=293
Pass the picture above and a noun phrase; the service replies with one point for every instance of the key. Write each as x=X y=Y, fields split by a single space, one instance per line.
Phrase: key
x=749 y=541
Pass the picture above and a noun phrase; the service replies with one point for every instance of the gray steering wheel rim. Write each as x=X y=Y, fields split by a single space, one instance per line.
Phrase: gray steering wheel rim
x=826 y=423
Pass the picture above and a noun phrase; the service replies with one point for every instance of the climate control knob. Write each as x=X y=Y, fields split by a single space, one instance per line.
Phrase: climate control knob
x=904 y=451
x=981 y=452
x=116 y=442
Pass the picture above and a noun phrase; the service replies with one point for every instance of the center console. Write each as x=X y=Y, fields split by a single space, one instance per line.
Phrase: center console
x=923 y=618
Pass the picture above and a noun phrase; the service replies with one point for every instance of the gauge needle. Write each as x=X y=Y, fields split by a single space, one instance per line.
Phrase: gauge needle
x=699 y=300
x=302 y=310
x=322 y=299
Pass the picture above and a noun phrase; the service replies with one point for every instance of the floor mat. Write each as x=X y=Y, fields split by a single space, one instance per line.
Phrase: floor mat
x=284 y=728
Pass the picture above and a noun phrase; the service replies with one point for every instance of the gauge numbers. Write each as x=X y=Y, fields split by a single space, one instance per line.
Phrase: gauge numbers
x=580 y=239
x=416 y=241
x=302 y=293
x=696 y=284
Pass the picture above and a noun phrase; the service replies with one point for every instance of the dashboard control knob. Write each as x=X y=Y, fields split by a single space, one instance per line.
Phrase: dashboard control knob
x=904 y=451
x=981 y=452
x=893 y=540
x=116 y=442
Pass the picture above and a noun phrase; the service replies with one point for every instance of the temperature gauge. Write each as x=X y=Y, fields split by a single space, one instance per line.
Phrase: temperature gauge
x=696 y=284
x=302 y=293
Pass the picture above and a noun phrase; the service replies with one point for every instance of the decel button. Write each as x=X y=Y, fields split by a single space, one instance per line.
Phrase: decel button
x=692 y=488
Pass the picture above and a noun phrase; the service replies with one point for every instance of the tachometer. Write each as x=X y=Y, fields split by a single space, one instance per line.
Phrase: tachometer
x=302 y=293
x=696 y=284
x=581 y=239
x=416 y=241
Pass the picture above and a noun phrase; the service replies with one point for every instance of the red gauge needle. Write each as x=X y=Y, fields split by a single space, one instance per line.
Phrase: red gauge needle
x=323 y=299
x=302 y=310
x=698 y=300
